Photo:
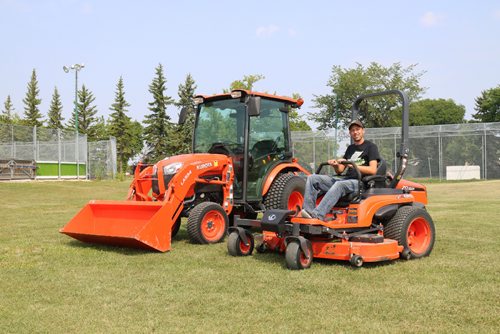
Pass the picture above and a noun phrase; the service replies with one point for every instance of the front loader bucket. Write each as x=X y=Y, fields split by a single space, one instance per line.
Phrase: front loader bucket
x=124 y=223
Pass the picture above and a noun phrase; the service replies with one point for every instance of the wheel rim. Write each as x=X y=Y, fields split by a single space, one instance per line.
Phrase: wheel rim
x=419 y=235
x=295 y=200
x=303 y=260
x=212 y=226
x=244 y=248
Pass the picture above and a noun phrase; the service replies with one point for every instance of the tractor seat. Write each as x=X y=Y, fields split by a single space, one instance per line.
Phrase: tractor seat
x=367 y=182
x=263 y=147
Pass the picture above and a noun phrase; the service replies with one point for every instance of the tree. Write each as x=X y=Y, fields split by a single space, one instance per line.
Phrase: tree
x=347 y=84
x=439 y=111
x=295 y=120
x=184 y=132
x=54 y=116
x=8 y=114
x=120 y=126
x=32 y=115
x=87 y=120
x=246 y=83
x=488 y=106
x=158 y=126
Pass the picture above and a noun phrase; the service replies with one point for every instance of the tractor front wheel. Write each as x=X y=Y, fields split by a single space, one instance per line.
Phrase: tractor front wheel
x=295 y=258
x=207 y=223
x=236 y=246
x=414 y=229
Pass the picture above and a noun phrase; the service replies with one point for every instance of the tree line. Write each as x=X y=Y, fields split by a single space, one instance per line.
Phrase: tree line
x=159 y=137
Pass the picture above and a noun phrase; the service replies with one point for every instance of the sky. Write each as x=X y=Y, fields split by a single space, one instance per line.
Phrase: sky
x=294 y=44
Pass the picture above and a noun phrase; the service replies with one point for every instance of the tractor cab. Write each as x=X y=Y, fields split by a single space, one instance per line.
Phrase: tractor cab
x=252 y=128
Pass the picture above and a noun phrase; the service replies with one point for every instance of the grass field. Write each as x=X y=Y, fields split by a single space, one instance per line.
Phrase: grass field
x=51 y=283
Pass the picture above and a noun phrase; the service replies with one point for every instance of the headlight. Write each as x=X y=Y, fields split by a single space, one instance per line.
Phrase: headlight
x=172 y=168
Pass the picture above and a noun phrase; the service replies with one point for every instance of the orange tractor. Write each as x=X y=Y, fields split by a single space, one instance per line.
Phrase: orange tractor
x=242 y=164
x=385 y=220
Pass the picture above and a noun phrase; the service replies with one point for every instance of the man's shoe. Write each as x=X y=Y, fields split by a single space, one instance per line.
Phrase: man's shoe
x=305 y=214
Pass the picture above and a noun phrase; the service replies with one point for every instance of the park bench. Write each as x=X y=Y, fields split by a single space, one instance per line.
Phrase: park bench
x=17 y=169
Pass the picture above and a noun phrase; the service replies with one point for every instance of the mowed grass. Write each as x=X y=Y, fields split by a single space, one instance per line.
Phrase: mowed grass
x=53 y=284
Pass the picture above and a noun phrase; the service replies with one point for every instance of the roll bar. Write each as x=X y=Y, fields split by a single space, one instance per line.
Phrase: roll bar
x=403 y=150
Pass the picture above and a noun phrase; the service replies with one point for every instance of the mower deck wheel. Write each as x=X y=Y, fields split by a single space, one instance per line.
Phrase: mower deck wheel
x=295 y=258
x=236 y=246
x=356 y=261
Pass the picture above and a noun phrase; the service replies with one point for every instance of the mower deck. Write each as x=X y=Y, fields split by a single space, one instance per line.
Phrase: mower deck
x=316 y=239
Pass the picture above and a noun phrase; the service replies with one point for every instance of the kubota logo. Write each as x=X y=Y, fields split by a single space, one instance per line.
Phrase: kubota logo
x=205 y=165
x=271 y=217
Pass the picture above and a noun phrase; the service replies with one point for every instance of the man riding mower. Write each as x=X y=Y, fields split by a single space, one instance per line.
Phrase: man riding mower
x=385 y=219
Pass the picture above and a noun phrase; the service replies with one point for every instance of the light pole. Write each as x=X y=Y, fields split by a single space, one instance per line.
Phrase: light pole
x=76 y=68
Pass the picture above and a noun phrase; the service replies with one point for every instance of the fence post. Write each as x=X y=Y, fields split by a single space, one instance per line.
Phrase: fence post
x=77 y=153
x=440 y=154
x=12 y=146
x=485 y=156
x=34 y=143
x=314 y=151
x=59 y=154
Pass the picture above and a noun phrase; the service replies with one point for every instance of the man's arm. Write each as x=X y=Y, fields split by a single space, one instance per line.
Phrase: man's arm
x=371 y=169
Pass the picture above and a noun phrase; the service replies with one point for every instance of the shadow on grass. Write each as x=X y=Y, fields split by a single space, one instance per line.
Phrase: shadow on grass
x=111 y=248
x=276 y=257
x=124 y=250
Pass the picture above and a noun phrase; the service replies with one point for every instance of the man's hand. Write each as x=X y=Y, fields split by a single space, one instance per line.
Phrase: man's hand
x=336 y=164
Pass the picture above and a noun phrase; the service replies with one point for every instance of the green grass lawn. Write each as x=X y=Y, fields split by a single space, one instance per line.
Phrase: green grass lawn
x=51 y=283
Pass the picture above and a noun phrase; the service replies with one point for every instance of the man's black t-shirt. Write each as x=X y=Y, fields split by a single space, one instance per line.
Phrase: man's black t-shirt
x=361 y=155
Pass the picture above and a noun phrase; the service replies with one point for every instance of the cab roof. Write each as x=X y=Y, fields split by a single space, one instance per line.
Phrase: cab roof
x=295 y=103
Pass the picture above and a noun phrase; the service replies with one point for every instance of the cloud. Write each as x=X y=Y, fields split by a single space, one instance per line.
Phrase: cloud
x=496 y=14
x=292 y=32
x=266 y=31
x=430 y=19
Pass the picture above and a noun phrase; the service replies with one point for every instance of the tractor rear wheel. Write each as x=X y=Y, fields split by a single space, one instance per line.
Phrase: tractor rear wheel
x=295 y=258
x=286 y=192
x=413 y=229
x=236 y=246
x=207 y=223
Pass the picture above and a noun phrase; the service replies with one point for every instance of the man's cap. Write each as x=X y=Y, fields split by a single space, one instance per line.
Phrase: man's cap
x=356 y=122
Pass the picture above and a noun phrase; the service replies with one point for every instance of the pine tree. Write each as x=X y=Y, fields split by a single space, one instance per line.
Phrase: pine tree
x=8 y=114
x=158 y=126
x=87 y=120
x=54 y=116
x=184 y=132
x=32 y=115
x=120 y=126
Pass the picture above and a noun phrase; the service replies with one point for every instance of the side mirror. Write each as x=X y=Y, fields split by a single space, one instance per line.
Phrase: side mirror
x=183 y=115
x=254 y=106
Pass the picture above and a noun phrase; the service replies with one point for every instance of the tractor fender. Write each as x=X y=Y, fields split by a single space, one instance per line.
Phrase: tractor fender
x=303 y=243
x=293 y=167
x=241 y=232
x=386 y=212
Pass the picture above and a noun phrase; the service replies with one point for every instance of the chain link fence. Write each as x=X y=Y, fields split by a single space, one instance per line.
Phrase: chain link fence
x=53 y=154
x=452 y=151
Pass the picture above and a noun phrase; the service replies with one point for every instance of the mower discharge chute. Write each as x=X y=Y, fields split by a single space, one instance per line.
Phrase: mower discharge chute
x=386 y=220
x=242 y=164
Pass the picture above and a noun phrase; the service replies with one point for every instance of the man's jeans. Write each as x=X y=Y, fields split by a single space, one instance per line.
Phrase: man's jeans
x=333 y=188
